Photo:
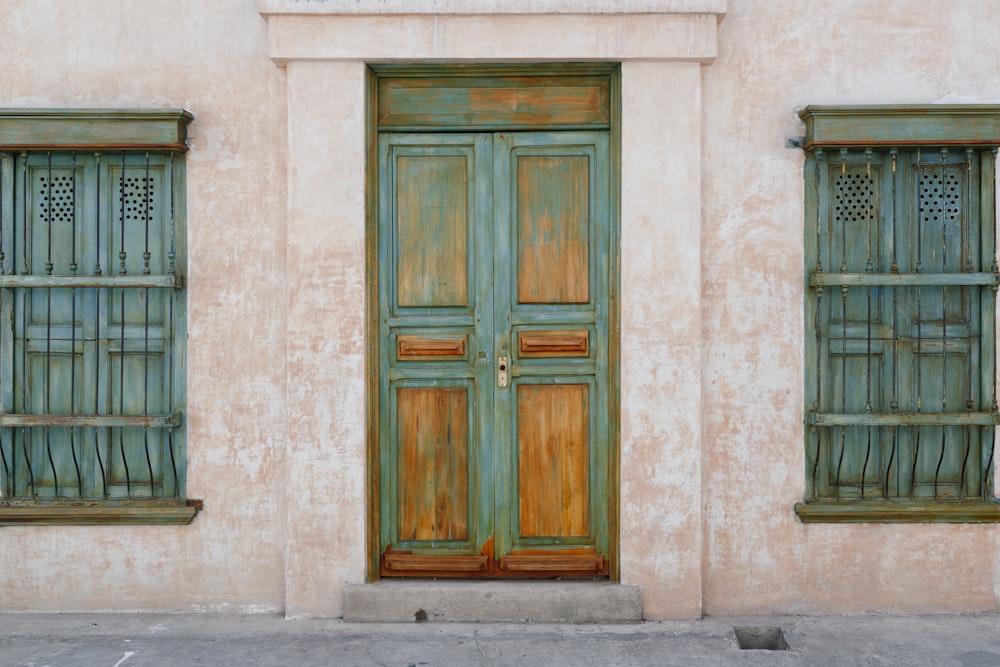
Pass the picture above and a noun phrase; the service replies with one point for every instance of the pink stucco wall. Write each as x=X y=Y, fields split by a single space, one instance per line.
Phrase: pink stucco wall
x=711 y=243
x=775 y=57
x=210 y=58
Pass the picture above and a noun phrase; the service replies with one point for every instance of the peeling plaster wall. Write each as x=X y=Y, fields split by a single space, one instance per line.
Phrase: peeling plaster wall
x=776 y=56
x=326 y=345
x=210 y=58
x=712 y=371
x=661 y=339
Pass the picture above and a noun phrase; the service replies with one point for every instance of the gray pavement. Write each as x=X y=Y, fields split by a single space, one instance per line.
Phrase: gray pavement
x=133 y=640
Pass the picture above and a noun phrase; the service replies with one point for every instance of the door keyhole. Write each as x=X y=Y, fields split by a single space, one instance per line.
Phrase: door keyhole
x=501 y=371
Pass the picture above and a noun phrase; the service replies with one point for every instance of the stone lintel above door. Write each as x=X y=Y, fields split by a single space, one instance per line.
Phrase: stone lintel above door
x=469 y=7
x=295 y=34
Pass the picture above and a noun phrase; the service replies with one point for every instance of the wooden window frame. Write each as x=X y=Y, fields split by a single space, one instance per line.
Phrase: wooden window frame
x=841 y=133
x=116 y=134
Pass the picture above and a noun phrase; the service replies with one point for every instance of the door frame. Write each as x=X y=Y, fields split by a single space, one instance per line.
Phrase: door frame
x=379 y=79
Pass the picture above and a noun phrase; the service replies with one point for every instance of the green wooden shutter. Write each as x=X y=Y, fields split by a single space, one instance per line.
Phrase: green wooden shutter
x=92 y=317
x=92 y=385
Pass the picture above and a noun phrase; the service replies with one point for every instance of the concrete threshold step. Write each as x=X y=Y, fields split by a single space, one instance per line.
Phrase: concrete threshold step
x=406 y=601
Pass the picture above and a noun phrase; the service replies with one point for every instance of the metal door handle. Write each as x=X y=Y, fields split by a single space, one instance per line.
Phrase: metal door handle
x=502 y=370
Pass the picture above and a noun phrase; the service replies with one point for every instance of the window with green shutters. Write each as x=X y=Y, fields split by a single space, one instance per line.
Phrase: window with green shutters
x=901 y=282
x=92 y=317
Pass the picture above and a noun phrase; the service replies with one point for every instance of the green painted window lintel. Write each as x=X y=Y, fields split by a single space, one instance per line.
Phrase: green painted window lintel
x=902 y=125
x=94 y=129
x=893 y=512
x=86 y=513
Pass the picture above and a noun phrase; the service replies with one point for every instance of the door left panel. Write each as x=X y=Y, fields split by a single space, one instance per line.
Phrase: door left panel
x=435 y=277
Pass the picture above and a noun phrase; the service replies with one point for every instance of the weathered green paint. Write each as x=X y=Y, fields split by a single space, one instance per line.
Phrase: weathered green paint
x=430 y=206
x=489 y=202
x=904 y=419
x=82 y=342
x=902 y=279
x=899 y=280
x=120 y=513
x=519 y=307
x=494 y=97
x=466 y=196
x=493 y=102
x=98 y=129
x=91 y=421
x=553 y=230
x=373 y=318
x=410 y=329
x=168 y=281
x=902 y=125
x=893 y=512
x=614 y=307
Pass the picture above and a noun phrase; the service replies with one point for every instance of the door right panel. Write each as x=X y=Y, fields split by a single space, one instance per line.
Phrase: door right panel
x=553 y=235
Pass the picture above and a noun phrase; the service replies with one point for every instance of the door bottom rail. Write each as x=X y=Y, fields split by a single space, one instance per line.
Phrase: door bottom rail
x=528 y=564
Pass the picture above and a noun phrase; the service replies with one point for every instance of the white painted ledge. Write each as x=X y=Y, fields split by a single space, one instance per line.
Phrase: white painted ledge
x=406 y=601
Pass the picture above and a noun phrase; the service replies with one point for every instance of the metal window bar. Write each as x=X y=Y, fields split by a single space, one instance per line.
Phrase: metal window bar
x=869 y=268
x=22 y=300
x=817 y=317
x=967 y=294
x=122 y=254
x=919 y=322
x=171 y=269
x=989 y=339
x=5 y=463
x=98 y=271
x=42 y=428
x=889 y=488
x=146 y=209
x=73 y=267
x=843 y=319
x=944 y=332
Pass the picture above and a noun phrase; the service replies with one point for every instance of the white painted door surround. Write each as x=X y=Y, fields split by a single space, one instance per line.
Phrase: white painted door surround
x=661 y=45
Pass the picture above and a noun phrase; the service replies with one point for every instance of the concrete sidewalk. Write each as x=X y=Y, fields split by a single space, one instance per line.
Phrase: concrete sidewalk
x=132 y=640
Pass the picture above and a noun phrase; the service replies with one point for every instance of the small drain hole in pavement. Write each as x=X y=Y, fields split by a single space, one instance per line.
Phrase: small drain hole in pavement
x=767 y=637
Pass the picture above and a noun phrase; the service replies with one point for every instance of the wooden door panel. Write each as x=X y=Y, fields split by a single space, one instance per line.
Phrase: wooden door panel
x=409 y=564
x=553 y=463
x=562 y=563
x=553 y=231
x=431 y=346
x=553 y=241
x=553 y=343
x=432 y=227
x=493 y=102
x=494 y=246
x=433 y=463
x=434 y=277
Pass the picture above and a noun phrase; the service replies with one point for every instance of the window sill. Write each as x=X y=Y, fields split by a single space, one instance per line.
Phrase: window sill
x=92 y=513
x=893 y=512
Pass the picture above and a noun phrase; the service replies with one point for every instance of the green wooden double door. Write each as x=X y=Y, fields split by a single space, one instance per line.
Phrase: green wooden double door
x=494 y=447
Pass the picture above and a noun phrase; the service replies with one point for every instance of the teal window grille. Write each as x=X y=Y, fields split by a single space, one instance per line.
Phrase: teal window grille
x=92 y=317
x=901 y=282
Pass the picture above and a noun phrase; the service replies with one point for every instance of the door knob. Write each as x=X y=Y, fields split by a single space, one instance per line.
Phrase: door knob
x=502 y=370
